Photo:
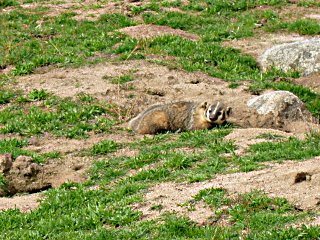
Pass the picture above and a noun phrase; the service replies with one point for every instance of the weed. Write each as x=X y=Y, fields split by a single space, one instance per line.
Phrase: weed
x=3 y=182
x=157 y=207
x=84 y=97
x=176 y=3
x=215 y=197
x=152 y=6
x=6 y=96
x=309 y=3
x=35 y=95
x=233 y=85
x=305 y=27
x=105 y=146
x=178 y=161
x=301 y=26
x=7 y=3
x=52 y=155
x=122 y=79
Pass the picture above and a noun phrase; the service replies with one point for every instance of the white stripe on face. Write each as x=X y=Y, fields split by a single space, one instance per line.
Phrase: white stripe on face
x=208 y=114
x=215 y=110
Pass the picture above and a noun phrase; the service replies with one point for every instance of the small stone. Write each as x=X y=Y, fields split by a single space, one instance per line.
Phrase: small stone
x=34 y=141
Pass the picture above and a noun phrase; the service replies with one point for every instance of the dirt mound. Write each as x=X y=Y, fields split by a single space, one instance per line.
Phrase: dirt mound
x=296 y=181
x=24 y=175
x=151 y=84
x=310 y=82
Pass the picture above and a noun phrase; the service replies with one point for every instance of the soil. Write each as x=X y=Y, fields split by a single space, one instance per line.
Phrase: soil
x=280 y=180
x=299 y=182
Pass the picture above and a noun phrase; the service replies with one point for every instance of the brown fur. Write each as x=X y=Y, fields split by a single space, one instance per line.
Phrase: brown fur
x=177 y=116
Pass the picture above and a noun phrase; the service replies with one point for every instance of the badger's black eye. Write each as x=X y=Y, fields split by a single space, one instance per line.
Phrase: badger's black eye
x=219 y=113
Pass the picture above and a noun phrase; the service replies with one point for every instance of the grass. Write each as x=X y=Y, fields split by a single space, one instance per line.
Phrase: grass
x=38 y=112
x=301 y=26
x=59 y=40
x=309 y=3
x=105 y=146
x=15 y=147
x=254 y=212
x=7 y=3
x=291 y=149
x=107 y=211
x=122 y=79
x=6 y=96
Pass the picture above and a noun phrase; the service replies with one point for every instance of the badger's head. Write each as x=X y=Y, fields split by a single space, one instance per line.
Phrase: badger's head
x=217 y=113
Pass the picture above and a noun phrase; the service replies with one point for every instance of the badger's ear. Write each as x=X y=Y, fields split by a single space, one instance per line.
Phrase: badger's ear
x=204 y=105
x=229 y=110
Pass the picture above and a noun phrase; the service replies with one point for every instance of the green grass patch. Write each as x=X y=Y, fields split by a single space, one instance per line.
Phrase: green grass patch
x=104 y=147
x=7 y=3
x=33 y=96
x=62 y=117
x=6 y=96
x=72 y=209
x=305 y=27
x=215 y=6
x=254 y=212
x=122 y=79
x=15 y=147
x=152 y=6
x=291 y=149
x=214 y=197
x=301 y=26
x=309 y=3
x=3 y=183
x=60 y=40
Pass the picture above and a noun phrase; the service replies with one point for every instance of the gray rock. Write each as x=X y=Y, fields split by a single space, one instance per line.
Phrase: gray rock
x=283 y=105
x=303 y=56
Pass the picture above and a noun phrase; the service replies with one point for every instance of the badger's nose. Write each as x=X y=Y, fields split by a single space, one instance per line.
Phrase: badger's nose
x=213 y=118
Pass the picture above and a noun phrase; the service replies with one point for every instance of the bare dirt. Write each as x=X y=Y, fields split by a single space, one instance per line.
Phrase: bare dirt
x=296 y=181
x=153 y=83
x=151 y=31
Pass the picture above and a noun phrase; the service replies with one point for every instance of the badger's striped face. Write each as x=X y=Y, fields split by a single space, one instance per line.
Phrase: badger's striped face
x=216 y=113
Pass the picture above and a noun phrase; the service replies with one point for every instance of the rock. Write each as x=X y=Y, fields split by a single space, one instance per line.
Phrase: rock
x=283 y=105
x=5 y=162
x=25 y=176
x=303 y=56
